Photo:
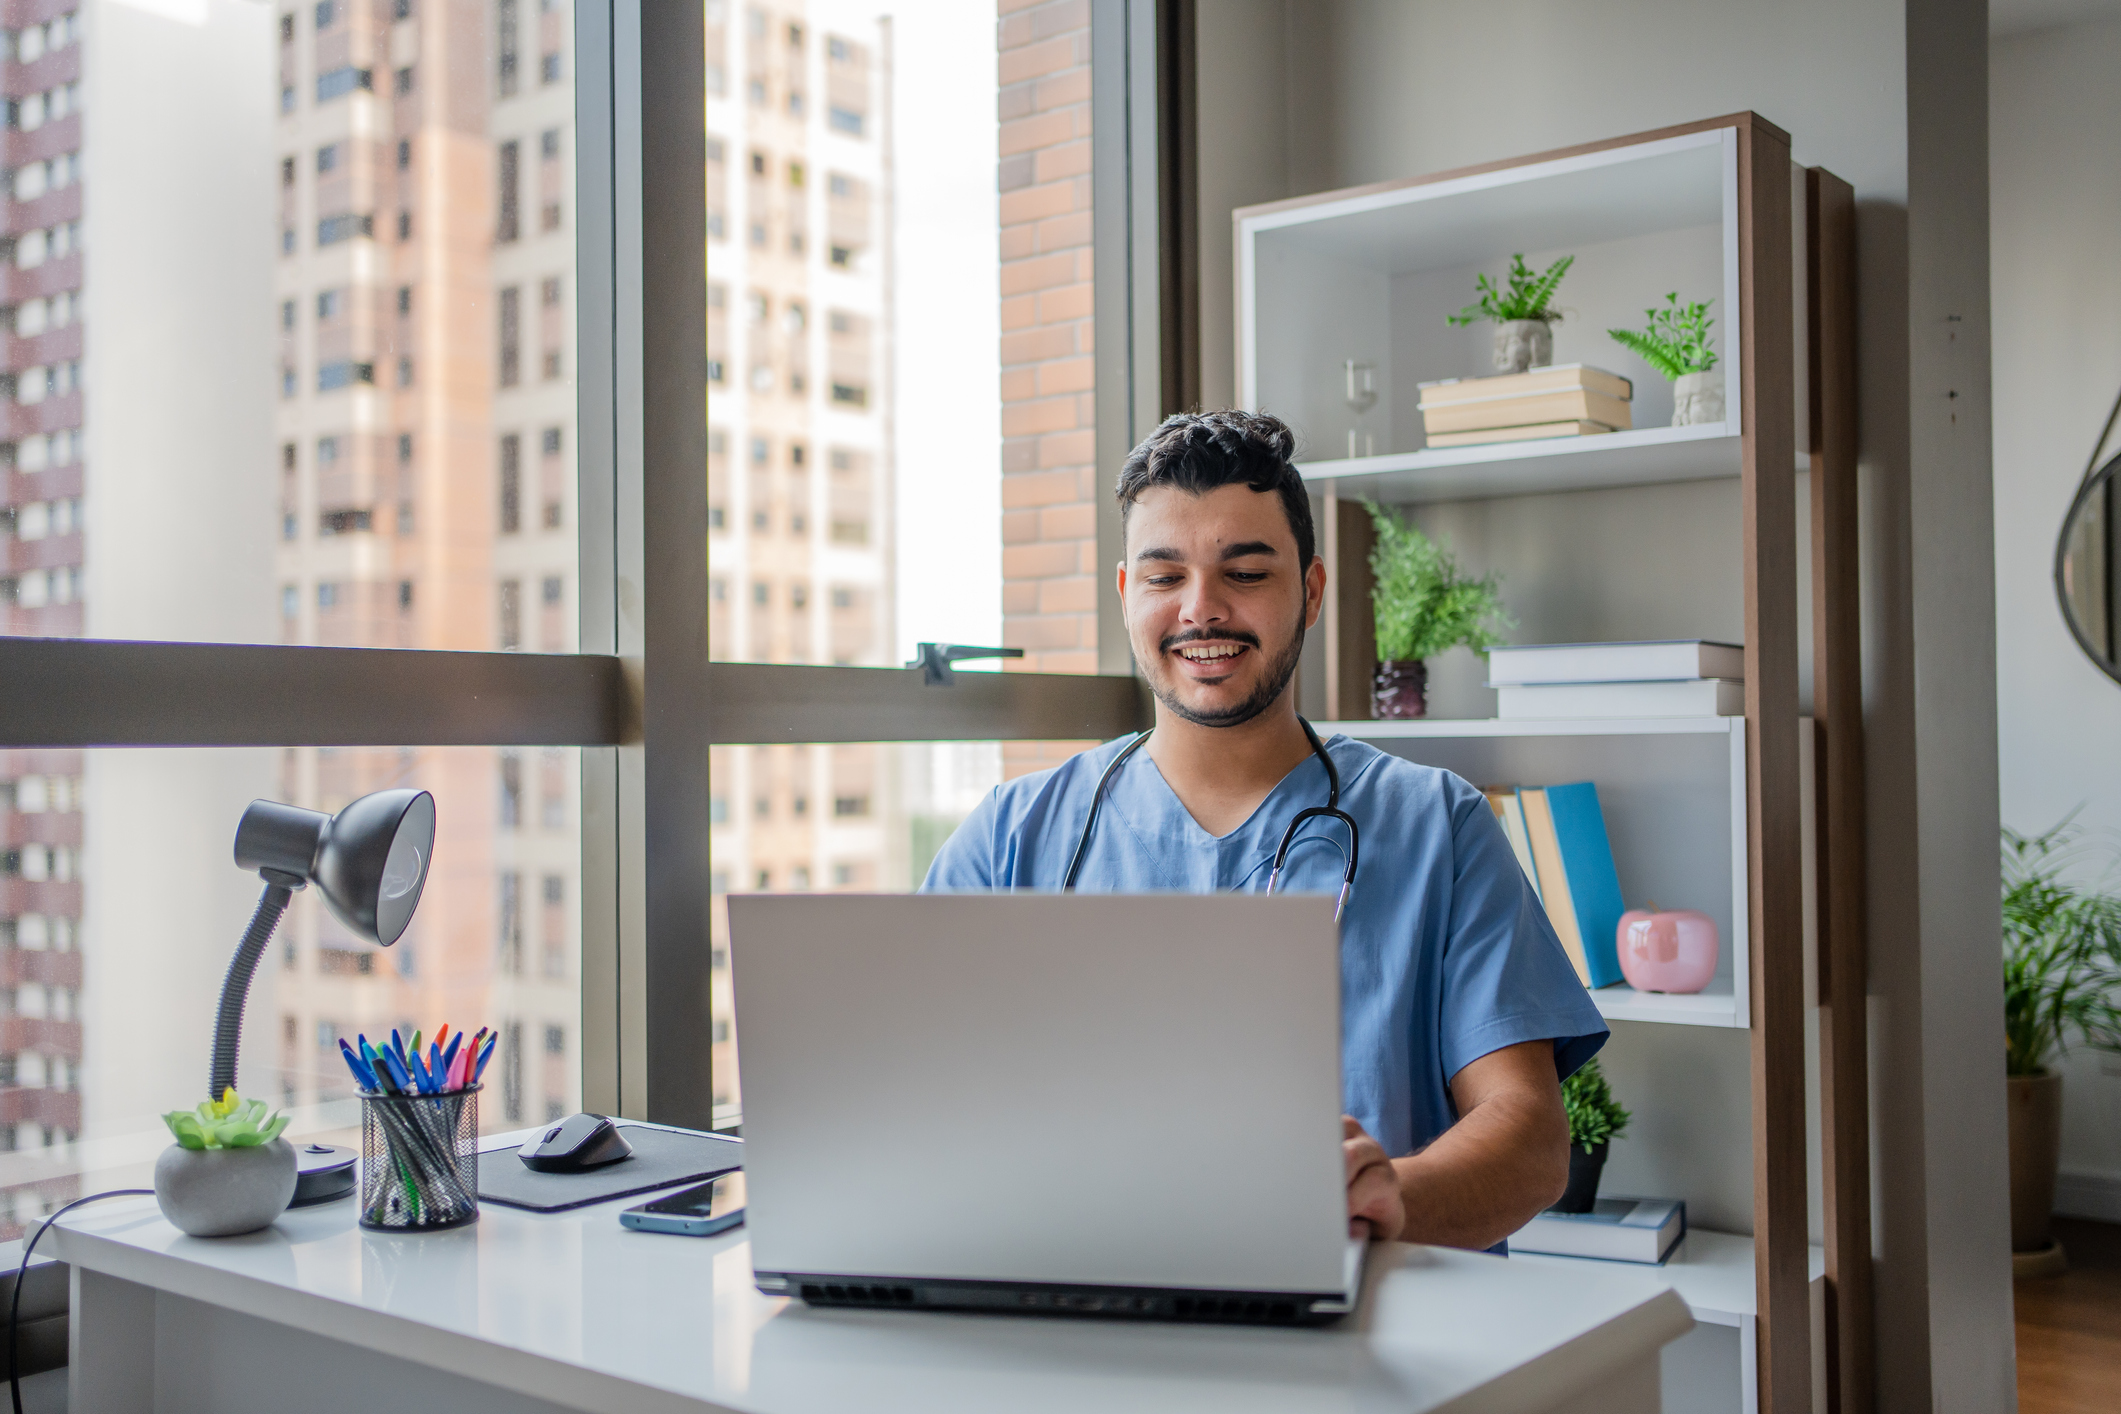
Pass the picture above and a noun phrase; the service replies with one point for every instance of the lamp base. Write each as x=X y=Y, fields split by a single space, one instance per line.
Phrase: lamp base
x=322 y=1172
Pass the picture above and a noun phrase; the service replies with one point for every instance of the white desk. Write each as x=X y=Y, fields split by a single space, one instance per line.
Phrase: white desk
x=530 y=1312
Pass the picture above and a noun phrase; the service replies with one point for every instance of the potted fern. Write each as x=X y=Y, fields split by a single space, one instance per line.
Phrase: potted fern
x=1676 y=344
x=1524 y=324
x=1423 y=604
x=2061 y=984
x=1596 y=1119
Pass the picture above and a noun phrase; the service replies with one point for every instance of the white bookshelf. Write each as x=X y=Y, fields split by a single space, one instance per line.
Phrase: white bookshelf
x=1673 y=793
x=1640 y=457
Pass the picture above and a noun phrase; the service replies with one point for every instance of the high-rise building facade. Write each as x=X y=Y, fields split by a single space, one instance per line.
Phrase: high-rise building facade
x=800 y=453
x=426 y=467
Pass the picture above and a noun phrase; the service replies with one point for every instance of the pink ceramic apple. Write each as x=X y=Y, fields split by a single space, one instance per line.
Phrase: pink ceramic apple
x=1672 y=951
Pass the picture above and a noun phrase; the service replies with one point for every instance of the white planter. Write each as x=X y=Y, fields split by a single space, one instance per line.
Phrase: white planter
x=1523 y=343
x=221 y=1192
x=1697 y=397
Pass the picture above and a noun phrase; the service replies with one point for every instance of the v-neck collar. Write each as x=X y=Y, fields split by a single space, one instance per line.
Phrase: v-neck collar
x=1196 y=833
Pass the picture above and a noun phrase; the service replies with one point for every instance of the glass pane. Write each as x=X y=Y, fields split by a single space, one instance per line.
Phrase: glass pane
x=863 y=818
x=327 y=251
x=120 y=909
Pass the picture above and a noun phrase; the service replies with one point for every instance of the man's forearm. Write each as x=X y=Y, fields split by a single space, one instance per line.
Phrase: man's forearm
x=1487 y=1175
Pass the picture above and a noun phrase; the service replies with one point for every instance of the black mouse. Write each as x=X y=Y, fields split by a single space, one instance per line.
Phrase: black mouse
x=576 y=1143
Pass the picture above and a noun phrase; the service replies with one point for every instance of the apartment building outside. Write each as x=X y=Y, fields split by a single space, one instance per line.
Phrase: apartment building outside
x=800 y=469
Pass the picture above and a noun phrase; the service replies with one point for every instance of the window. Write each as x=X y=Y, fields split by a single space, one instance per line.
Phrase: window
x=549 y=292
x=505 y=50
x=334 y=229
x=509 y=225
x=511 y=596
x=401 y=81
x=549 y=144
x=337 y=83
x=511 y=360
x=511 y=483
x=549 y=69
x=404 y=154
x=846 y=120
x=327 y=159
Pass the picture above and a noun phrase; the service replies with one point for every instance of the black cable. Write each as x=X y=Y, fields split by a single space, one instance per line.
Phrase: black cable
x=235 y=988
x=14 y=1307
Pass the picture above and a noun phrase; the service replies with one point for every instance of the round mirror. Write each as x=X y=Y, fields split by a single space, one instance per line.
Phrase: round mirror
x=2088 y=568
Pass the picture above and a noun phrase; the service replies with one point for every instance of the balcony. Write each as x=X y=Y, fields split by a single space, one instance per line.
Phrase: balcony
x=60 y=896
x=47 y=621
x=51 y=346
x=47 y=553
x=45 y=827
x=41 y=1033
x=57 y=484
x=38 y=281
x=47 y=70
x=47 y=210
x=18 y=420
x=21 y=14
x=59 y=135
x=52 y=969
x=60 y=1109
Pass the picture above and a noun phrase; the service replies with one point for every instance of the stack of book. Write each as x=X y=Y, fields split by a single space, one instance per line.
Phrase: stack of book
x=1558 y=835
x=1675 y=678
x=1560 y=400
x=1616 y=1230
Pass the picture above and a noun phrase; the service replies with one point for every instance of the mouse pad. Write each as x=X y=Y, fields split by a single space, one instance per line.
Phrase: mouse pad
x=661 y=1159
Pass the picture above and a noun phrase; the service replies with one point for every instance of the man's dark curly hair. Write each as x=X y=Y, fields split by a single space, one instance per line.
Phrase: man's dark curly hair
x=1199 y=451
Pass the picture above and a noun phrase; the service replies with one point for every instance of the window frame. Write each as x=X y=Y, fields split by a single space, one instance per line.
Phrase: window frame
x=641 y=300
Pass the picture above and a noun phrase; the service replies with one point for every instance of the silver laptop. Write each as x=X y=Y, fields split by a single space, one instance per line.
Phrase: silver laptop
x=1074 y=1104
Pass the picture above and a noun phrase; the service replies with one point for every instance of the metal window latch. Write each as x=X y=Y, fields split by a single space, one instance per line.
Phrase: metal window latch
x=934 y=659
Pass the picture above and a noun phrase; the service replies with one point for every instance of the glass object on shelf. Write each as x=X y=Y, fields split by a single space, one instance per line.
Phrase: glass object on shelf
x=114 y=971
x=2088 y=569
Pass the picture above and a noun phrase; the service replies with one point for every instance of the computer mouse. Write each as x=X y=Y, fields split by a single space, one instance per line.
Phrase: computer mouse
x=576 y=1143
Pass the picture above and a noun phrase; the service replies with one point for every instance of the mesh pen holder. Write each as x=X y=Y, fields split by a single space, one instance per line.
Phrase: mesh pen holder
x=420 y=1161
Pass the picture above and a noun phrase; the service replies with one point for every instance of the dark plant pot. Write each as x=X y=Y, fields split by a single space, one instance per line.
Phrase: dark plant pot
x=1400 y=689
x=1585 y=1166
x=2035 y=1154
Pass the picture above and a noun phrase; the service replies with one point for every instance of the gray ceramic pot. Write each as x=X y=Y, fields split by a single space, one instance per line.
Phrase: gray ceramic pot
x=221 y=1192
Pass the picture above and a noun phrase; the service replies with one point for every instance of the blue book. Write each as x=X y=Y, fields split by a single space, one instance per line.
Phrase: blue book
x=1594 y=885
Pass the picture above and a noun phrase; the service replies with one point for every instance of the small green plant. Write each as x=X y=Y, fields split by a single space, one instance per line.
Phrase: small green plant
x=2061 y=953
x=1677 y=341
x=227 y=1123
x=1595 y=1117
x=1423 y=602
x=1525 y=297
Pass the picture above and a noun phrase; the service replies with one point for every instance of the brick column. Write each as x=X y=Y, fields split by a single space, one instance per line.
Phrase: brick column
x=1050 y=480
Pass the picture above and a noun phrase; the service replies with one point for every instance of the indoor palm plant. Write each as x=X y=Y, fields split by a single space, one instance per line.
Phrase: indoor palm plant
x=2061 y=983
x=1423 y=604
x=1524 y=322
x=1676 y=344
x=1596 y=1119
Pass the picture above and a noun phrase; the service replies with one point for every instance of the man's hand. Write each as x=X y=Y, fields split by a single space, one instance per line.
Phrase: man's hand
x=1375 y=1208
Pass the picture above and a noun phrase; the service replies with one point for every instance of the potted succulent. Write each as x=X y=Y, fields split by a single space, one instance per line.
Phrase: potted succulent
x=228 y=1172
x=1596 y=1119
x=1677 y=345
x=2061 y=983
x=1423 y=604
x=1524 y=325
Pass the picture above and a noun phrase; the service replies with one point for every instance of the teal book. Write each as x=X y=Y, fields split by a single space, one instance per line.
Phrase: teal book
x=1594 y=885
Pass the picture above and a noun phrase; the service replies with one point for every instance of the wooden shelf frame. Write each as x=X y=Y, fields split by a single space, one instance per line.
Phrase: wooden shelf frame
x=1761 y=364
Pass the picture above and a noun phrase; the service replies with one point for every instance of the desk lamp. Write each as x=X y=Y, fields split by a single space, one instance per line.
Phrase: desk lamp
x=369 y=862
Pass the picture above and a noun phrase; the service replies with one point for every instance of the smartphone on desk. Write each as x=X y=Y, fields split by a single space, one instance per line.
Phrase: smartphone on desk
x=712 y=1207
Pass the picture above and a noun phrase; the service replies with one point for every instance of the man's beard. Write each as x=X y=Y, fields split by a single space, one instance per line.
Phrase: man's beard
x=1272 y=682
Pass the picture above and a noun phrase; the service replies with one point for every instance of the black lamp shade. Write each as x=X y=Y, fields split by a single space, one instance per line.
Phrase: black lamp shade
x=369 y=861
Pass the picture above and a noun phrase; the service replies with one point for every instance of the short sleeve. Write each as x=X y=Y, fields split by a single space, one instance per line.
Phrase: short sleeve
x=1506 y=979
x=967 y=860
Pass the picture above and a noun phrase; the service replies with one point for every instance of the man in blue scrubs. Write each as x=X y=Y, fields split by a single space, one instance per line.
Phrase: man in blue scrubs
x=1460 y=1012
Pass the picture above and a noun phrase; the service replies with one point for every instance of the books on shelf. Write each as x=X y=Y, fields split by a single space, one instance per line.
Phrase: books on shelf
x=1561 y=400
x=1702 y=697
x=1615 y=1230
x=1565 y=854
x=1660 y=661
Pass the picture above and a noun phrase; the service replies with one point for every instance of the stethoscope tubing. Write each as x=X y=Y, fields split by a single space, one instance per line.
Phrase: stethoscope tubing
x=1330 y=810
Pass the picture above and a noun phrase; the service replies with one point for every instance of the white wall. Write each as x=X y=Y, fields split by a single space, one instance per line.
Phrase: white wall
x=2055 y=209
x=1891 y=96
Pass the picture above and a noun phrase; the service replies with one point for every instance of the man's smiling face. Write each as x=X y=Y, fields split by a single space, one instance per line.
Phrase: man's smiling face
x=1215 y=601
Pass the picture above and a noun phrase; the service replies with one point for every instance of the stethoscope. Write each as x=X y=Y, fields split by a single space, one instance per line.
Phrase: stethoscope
x=1288 y=836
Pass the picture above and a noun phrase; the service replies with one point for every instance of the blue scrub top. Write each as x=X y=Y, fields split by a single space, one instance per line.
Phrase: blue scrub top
x=1445 y=951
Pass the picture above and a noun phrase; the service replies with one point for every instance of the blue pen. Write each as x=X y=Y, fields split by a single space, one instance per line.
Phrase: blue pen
x=375 y=1063
x=419 y=1075
x=484 y=1056
x=363 y=1076
x=449 y=1057
x=397 y=1045
x=434 y=1063
x=398 y=1073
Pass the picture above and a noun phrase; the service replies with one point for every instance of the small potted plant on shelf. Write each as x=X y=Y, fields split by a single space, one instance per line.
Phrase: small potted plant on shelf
x=1423 y=605
x=228 y=1172
x=2061 y=983
x=1596 y=1119
x=1677 y=345
x=1524 y=325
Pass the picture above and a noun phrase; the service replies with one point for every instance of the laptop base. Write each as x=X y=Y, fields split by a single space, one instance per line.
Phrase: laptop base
x=1138 y=1303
